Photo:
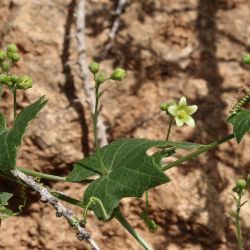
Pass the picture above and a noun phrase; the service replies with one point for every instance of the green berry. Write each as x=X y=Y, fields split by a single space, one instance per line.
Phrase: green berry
x=118 y=74
x=5 y=67
x=100 y=78
x=14 y=79
x=246 y=59
x=164 y=106
x=24 y=82
x=241 y=184
x=94 y=67
x=152 y=226
x=15 y=57
x=12 y=48
x=2 y=55
x=4 y=79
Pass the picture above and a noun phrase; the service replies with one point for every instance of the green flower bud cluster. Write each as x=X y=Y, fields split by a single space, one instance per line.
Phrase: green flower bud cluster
x=18 y=82
x=117 y=75
x=7 y=59
x=241 y=185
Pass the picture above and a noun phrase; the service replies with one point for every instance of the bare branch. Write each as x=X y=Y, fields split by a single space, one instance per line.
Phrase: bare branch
x=116 y=24
x=61 y=210
x=83 y=63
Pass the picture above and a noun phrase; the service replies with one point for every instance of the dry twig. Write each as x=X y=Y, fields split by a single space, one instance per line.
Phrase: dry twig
x=116 y=24
x=82 y=234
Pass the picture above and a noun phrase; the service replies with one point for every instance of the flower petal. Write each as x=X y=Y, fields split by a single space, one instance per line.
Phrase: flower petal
x=179 y=122
x=182 y=102
x=173 y=109
x=190 y=121
x=191 y=109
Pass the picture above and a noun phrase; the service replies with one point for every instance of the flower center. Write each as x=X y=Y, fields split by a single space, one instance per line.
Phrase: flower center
x=181 y=114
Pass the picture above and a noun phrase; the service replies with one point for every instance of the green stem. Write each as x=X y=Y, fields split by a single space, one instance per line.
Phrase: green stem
x=119 y=216
x=96 y=117
x=169 y=127
x=198 y=152
x=67 y=199
x=14 y=102
x=1 y=91
x=48 y=176
x=237 y=221
x=41 y=175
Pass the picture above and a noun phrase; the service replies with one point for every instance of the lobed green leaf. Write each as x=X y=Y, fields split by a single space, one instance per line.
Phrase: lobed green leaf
x=125 y=170
x=11 y=138
x=241 y=123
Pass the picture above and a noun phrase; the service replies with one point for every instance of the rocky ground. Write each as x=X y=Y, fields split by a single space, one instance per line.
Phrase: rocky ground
x=170 y=48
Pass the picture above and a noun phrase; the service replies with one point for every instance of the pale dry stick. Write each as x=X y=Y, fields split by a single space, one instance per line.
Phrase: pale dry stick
x=116 y=24
x=83 y=63
x=61 y=210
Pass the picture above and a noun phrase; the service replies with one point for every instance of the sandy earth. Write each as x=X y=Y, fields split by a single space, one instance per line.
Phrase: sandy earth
x=170 y=48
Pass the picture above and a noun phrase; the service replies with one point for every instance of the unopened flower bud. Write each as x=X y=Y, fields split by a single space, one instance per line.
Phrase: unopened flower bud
x=14 y=79
x=118 y=74
x=241 y=184
x=15 y=57
x=24 y=82
x=164 y=106
x=5 y=67
x=246 y=59
x=100 y=78
x=4 y=79
x=94 y=67
x=12 y=48
x=2 y=55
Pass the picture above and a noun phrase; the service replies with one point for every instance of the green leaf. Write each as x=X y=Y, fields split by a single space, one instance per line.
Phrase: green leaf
x=241 y=123
x=5 y=212
x=11 y=138
x=89 y=166
x=129 y=172
x=4 y=197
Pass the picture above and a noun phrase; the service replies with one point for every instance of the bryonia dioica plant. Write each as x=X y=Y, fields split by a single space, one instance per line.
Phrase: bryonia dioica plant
x=118 y=170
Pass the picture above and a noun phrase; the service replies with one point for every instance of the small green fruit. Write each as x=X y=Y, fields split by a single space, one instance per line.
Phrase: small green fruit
x=2 y=55
x=94 y=67
x=118 y=74
x=164 y=106
x=100 y=78
x=246 y=59
x=241 y=184
x=12 y=48
x=14 y=79
x=5 y=67
x=24 y=82
x=152 y=226
x=4 y=79
x=15 y=57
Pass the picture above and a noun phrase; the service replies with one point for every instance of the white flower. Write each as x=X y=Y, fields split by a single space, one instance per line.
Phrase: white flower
x=182 y=112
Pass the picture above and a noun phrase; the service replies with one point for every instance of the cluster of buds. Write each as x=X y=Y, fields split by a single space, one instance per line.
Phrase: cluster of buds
x=242 y=185
x=117 y=75
x=7 y=59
